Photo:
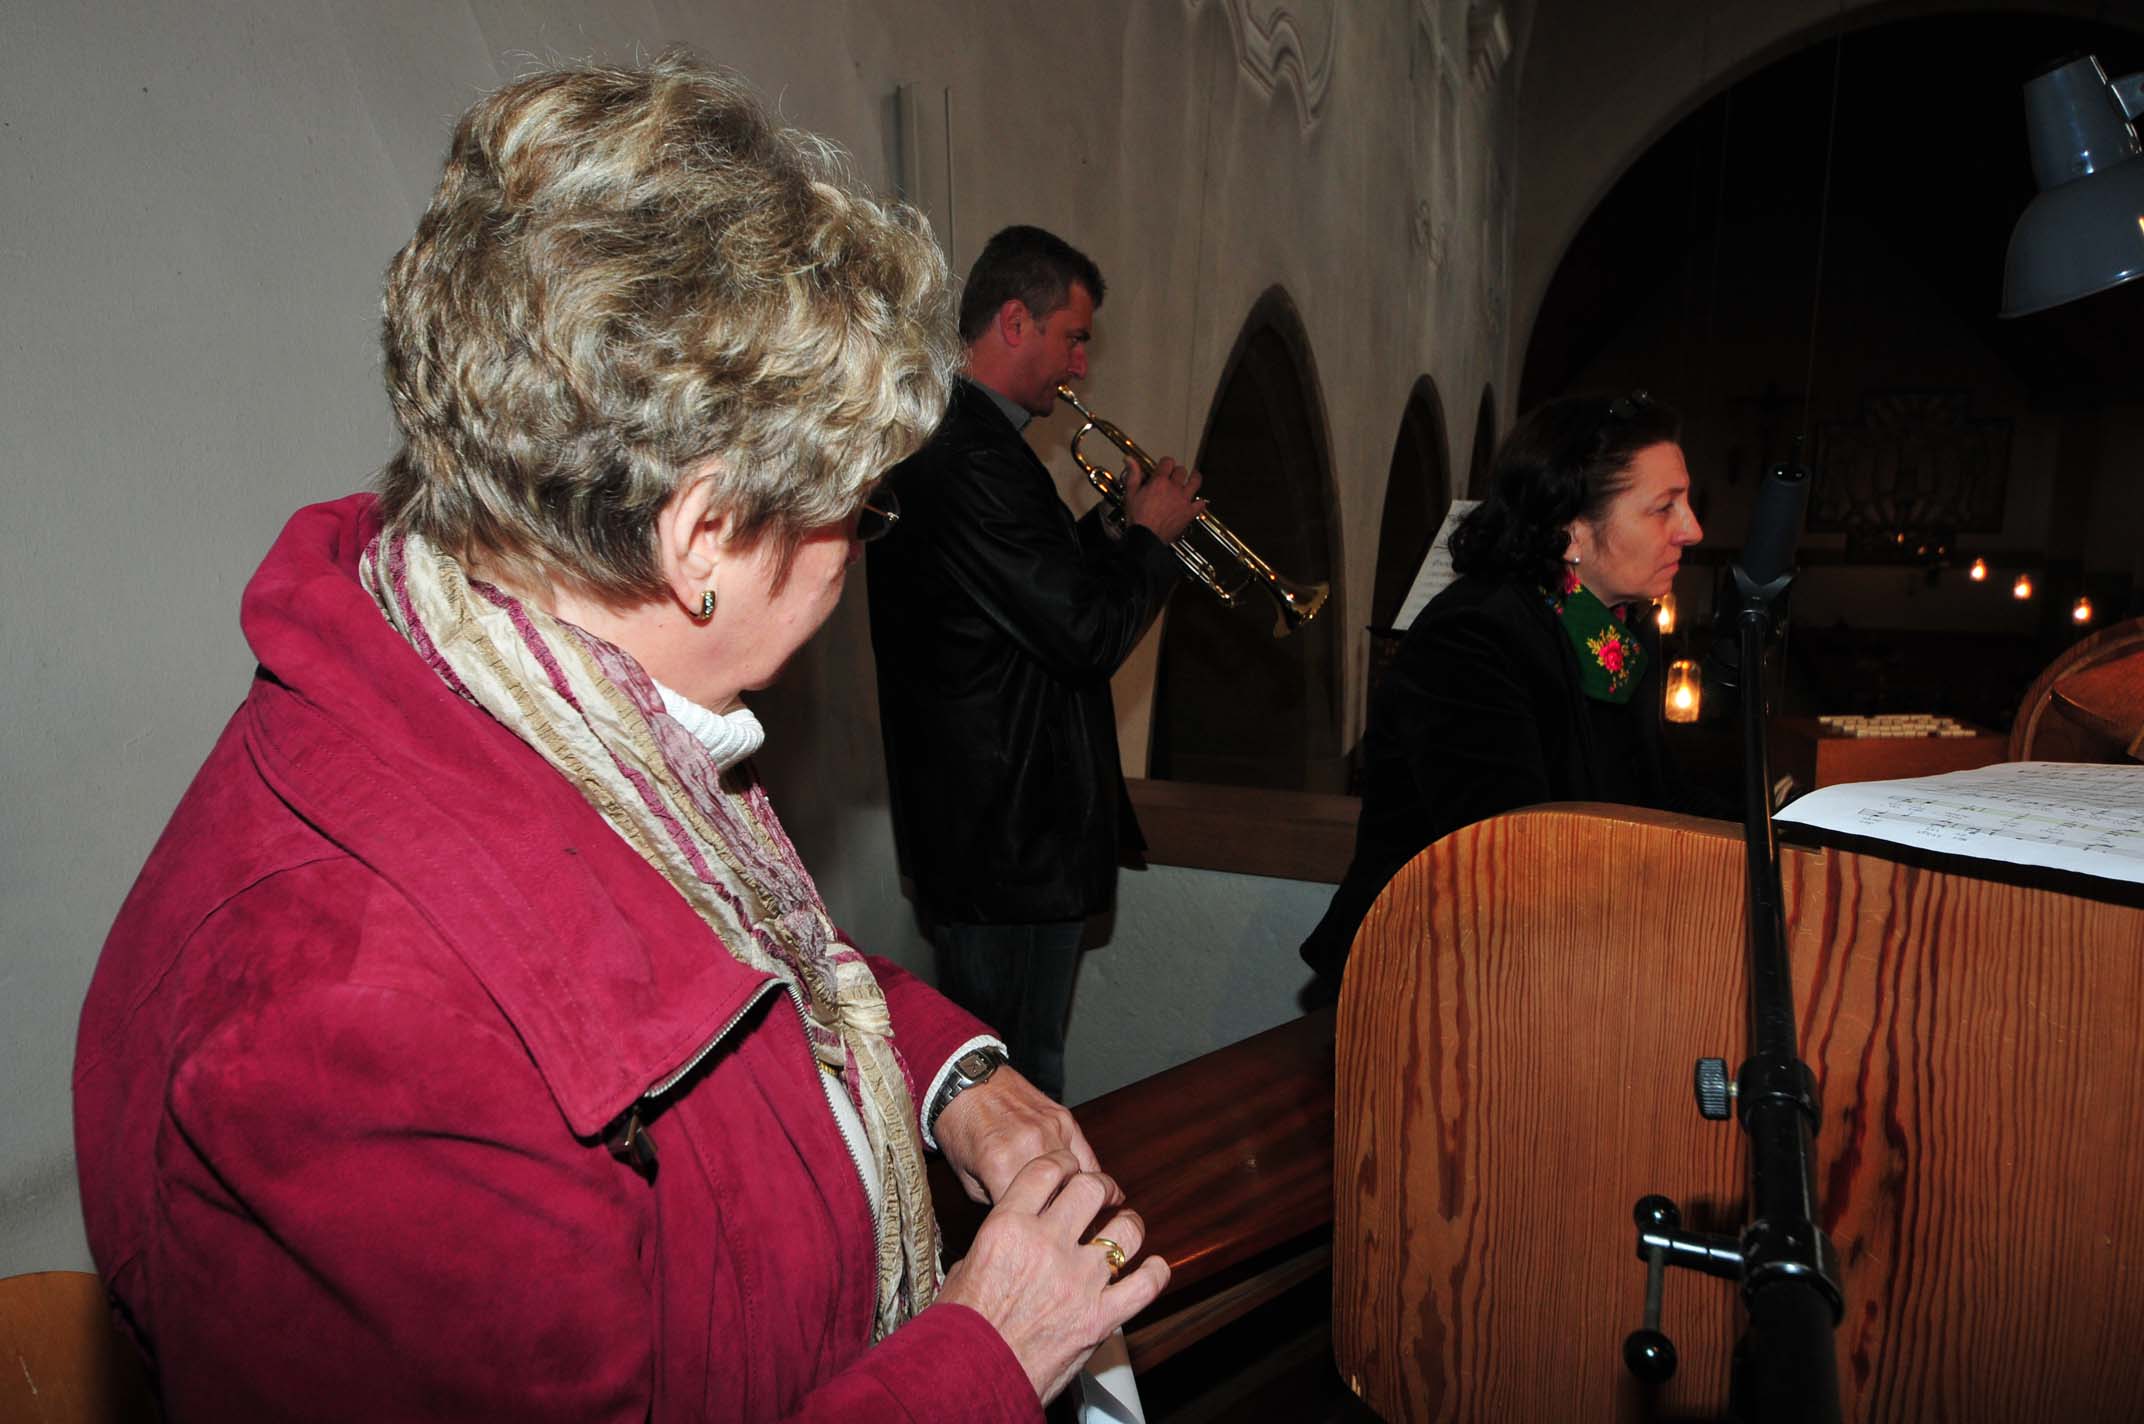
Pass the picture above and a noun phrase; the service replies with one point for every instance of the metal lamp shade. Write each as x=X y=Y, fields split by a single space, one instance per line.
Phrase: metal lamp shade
x=2084 y=233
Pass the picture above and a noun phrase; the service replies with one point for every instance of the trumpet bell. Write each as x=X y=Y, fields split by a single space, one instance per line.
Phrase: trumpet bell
x=1296 y=603
x=1209 y=549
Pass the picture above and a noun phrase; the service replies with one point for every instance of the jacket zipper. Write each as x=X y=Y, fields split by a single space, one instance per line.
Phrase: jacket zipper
x=826 y=1086
x=627 y=1136
x=829 y=1086
x=709 y=1047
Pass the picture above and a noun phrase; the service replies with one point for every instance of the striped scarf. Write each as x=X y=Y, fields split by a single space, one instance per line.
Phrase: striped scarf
x=591 y=711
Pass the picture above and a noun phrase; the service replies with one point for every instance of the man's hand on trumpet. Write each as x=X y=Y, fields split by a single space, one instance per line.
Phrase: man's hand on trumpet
x=1164 y=501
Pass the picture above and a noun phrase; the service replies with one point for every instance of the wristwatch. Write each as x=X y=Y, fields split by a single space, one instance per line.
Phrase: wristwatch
x=973 y=1067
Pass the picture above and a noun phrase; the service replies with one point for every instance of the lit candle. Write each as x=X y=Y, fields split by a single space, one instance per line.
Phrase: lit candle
x=1978 y=573
x=1664 y=613
x=2022 y=589
x=1684 y=691
x=2081 y=610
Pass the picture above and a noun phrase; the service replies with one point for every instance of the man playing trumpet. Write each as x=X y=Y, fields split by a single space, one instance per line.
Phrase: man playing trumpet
x=997 y=620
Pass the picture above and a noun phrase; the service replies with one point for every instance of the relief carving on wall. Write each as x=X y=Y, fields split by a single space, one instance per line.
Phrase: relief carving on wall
x=1426 y=234
x=1488 y=40
x=1284 y=40
x=1434 y=156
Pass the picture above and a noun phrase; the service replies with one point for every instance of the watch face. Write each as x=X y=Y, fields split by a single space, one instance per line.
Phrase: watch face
x=977 y=1064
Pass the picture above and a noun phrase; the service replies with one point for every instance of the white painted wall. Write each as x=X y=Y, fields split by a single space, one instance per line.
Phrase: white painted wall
x=196 y=204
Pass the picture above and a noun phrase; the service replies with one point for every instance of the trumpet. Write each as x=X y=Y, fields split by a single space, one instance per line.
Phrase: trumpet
x=1212 y=552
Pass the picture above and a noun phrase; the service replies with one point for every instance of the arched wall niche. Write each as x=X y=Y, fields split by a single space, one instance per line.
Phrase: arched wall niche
x=1482 y=462
x=1598 y=92
x=1234 y=705
x=1417 y=489
x=1747 y=156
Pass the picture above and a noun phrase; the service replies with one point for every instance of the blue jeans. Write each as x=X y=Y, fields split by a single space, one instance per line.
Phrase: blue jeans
x=1018 y=979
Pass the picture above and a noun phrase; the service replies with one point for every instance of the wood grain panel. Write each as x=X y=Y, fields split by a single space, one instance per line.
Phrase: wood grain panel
x=2047 y=729
x=1294 y=835
x=62 y=1361
x=1229 y=1159
x=1515 y=1042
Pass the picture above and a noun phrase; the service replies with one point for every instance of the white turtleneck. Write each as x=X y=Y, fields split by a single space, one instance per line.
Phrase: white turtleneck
x=729 y=736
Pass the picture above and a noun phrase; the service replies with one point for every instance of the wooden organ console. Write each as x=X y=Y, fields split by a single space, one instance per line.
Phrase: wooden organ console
x=1516 y=1037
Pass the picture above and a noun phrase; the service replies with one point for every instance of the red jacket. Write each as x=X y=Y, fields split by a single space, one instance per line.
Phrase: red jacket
x=347 y=1064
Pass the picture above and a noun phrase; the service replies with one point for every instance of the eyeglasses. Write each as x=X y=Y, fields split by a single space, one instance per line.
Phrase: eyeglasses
x=1628 y=407
x=876 y=518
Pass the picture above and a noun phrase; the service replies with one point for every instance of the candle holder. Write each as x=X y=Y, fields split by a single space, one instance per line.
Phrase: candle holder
x=1685 y=691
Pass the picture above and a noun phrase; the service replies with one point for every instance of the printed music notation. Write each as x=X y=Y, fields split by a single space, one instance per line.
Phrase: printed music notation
x=1436 y=573
x=2065 y=815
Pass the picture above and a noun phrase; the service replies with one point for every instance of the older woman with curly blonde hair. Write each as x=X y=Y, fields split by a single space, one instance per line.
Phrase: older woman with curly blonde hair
x=474 y=1044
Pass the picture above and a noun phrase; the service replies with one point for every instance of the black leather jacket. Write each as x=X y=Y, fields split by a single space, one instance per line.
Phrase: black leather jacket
x=1481 y=713
x=996 y=621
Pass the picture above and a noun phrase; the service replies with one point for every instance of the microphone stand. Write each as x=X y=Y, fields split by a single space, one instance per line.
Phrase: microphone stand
x=1786 y=1365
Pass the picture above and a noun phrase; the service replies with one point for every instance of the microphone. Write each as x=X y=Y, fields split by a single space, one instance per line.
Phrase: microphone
x=1766 y=565
x=1775 y=524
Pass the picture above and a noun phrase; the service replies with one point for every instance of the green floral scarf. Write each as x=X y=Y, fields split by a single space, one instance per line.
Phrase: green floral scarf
x=1610 y=658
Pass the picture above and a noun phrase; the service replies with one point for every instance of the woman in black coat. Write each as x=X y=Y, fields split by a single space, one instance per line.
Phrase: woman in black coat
x=1534 y=677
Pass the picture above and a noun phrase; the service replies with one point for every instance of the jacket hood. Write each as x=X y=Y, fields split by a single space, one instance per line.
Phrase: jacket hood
x=606 y=973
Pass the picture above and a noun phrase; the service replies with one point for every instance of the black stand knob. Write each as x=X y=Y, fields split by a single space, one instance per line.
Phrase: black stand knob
x=1715 y=1090
x=1650 y=1356
x=1647 y=1353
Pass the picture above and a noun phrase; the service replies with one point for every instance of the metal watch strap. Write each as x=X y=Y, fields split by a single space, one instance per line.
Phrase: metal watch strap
x=960 y=1080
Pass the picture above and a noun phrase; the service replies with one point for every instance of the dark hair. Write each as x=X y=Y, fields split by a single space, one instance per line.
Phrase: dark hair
x=1563 y=461
x=1029 y=266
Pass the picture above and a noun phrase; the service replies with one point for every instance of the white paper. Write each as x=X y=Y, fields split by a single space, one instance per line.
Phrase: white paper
x=1107 y=1392
x=2064 y=815
x=1436 y=573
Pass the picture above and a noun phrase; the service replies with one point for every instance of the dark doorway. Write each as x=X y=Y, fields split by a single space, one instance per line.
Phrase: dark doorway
x=1483 y=461
x=1233 y=704
x=1416 y=492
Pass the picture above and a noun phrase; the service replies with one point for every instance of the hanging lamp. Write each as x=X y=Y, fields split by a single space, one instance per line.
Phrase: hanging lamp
x=2084 y=232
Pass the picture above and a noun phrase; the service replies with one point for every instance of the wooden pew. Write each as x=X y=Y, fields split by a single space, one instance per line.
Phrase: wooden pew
x=1516 y=1034
x=62 y=1359
x=1229 y=1158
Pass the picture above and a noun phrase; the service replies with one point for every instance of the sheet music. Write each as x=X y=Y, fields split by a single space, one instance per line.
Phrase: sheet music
x=2064 y=815
x=1107 y=1392
x=1436 y=573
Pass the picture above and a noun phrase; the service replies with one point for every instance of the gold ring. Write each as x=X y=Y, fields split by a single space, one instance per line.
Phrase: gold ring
x=1114 y=1252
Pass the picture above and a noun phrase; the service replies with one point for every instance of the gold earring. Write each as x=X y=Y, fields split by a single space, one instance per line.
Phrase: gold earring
x=707 y=605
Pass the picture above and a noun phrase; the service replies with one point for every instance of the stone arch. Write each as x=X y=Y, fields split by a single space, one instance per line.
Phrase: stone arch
x=1601 y=91
x=1233 y=704
x=1482 y=462
x=1417 y=490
